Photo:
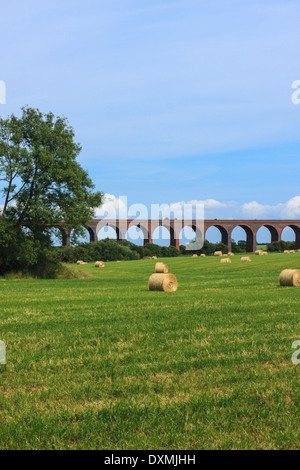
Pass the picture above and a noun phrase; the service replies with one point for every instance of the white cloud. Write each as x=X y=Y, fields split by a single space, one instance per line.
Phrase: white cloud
x=211 y=203
x=112 y=207
x=288 y=210
x=293 y=208
x=255 y=210
x=116 y=207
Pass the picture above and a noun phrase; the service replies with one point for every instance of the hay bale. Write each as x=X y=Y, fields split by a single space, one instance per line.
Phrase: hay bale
x=245 y=259
x=203 y=255
x=195 y=256
x=286 y=252
x=258 y=252
x=218 y=253
x=230 y=253
x=161 y=268
x=154 y=257
x=290 y=277
x=80 y=262
x=99 y=264
x=163 y=282
x=225 y=260
x=292 y=251
x=265 y=253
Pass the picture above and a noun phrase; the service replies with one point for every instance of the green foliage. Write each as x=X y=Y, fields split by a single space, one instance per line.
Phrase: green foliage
x=242 y=244
x=280 y=246
x=238 y=247
x=112 y=250
x=151 y=249
x=41 y=184
x=207 y=249
x=169 y=252
x=26 y=252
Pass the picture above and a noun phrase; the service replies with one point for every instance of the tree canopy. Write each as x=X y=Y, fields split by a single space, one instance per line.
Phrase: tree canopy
x=41 y=182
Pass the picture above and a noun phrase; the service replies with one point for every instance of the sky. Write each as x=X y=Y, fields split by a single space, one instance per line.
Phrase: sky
x=172 y=101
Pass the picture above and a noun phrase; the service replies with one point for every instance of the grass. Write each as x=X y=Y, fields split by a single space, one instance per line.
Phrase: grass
x=102 y=363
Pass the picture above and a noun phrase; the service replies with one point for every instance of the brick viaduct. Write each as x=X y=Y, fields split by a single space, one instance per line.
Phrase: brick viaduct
x=226 y=227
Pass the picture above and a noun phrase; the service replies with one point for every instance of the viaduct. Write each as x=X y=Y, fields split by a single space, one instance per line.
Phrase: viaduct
x=225 y=227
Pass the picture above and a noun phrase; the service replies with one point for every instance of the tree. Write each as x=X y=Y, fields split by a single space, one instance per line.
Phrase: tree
x=242 y=244
x=235 y=248
x=42 y=184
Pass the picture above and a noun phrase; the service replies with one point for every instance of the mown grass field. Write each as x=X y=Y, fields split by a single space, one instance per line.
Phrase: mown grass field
x=102 y=363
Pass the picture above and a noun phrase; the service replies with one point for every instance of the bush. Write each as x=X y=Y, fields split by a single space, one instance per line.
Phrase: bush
x=207 y=249
x=112 y=250
x=151 y=249
x=26 y=253
x=237 y=248
x=169 y=252
x=280 y=246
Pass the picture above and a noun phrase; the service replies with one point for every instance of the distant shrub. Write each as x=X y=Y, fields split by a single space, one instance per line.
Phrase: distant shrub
x=169 y=252
x=237 y=248
x=112 y=250
x=280 y=246
x=242 y=244
x=207 y=249
x=151 y=249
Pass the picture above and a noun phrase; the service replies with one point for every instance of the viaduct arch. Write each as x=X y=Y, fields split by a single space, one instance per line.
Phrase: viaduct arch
x=226 y=228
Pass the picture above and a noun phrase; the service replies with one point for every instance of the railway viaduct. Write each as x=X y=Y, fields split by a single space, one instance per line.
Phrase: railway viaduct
x=225 y=227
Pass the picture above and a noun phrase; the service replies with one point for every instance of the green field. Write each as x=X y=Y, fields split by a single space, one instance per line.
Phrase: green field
x=104 y=363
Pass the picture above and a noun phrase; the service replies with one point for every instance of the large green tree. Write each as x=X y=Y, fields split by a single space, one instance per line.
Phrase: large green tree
x=42 y=184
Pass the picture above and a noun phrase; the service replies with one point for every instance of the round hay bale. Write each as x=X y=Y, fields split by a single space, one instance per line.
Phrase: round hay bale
x=225 y=261
x=79 y=262
x=218 y=253
x=265 y=253
x=230 y=253
x=290 y=277
x=161 y=268
x=195 y=256
x=292 y=251
x=163 y=282
x=258 y=252
x=99 y=264
x=203 y=255
x=245 y=259
x=286 y=252
x=154 y=257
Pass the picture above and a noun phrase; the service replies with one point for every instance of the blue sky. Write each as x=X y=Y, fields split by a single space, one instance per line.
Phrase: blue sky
x=171 y=100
